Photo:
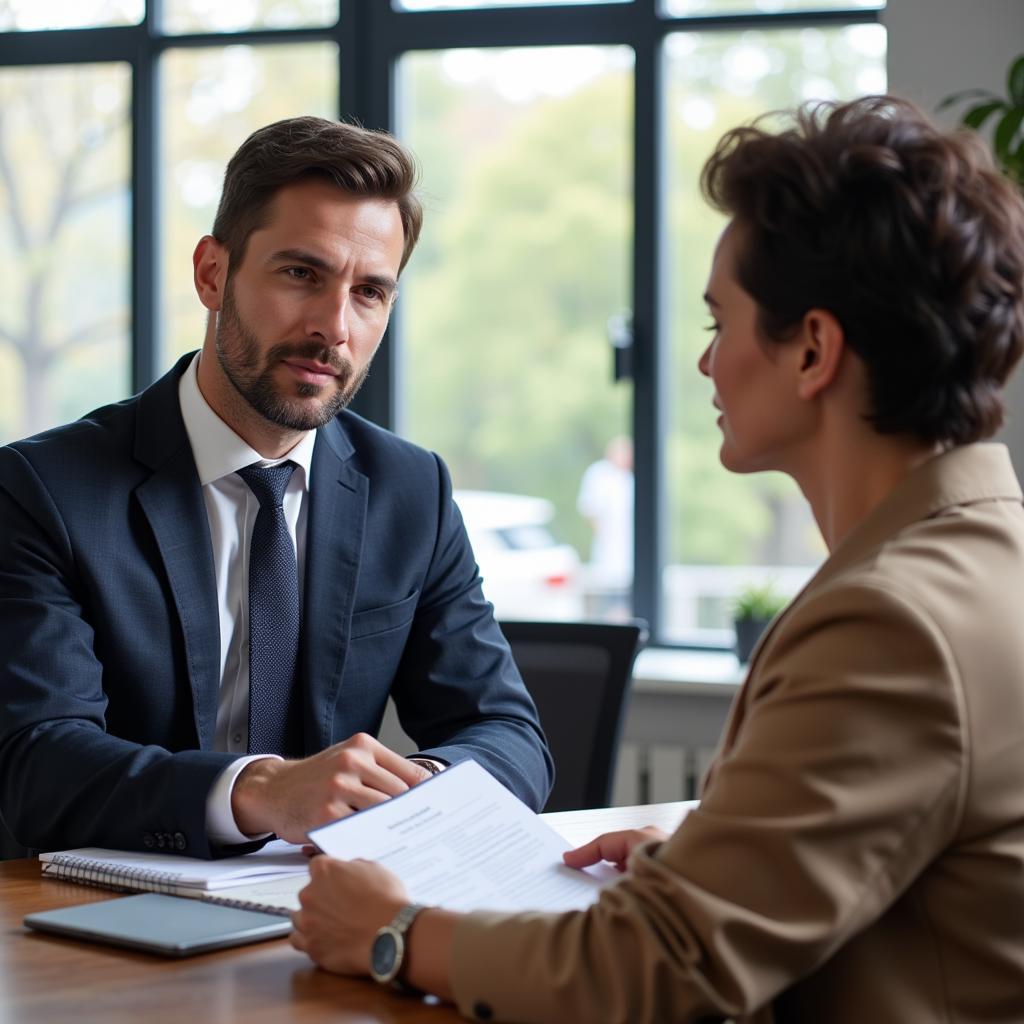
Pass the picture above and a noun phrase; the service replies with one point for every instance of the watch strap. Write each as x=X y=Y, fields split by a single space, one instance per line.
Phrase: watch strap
x=425 y=762
x=403 y=920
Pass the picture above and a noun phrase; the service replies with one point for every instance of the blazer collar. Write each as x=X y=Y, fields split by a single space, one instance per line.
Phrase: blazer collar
x=961 y=476
x=172 y=501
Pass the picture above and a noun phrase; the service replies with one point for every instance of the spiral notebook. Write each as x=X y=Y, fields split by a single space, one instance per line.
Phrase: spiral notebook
x=268 y=879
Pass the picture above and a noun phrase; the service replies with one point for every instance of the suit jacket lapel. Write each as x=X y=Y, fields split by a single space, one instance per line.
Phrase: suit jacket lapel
x=334 y=544
x=172 y=501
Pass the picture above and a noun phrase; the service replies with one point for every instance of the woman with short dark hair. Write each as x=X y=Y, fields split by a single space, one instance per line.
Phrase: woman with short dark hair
x=907 y=235
x=858 y=853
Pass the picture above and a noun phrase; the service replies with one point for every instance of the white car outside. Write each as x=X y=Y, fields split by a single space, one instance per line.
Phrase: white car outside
x=526 y=573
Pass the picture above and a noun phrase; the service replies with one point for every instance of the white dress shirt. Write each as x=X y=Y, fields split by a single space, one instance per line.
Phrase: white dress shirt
x=231 y=509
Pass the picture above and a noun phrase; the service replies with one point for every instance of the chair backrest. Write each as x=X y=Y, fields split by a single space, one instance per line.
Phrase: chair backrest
x=578 y=673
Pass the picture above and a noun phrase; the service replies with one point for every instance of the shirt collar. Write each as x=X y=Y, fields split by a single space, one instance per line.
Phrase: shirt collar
x=218 y=451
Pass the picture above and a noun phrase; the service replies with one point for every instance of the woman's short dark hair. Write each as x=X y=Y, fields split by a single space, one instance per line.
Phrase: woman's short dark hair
x=363 y=163
x=907 y=234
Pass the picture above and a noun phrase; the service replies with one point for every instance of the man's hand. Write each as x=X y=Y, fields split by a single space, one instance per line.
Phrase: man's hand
x=612 y=846
x=344 y=904
x=291 y=797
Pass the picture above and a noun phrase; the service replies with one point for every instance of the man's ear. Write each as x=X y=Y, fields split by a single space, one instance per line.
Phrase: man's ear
x=210 y=272
x=822 y=344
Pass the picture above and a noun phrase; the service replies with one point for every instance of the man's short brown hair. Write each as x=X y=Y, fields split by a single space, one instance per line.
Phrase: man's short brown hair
x=906 y=233
x=362 y=163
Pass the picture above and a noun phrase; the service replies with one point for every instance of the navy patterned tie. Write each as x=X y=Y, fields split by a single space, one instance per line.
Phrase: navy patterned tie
x=274 y=707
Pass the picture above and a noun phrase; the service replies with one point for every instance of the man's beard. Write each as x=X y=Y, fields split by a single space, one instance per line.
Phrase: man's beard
x=251 y=375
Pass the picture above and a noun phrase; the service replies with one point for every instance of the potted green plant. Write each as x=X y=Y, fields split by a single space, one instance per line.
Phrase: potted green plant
x=1008 y=111
x=756 y=605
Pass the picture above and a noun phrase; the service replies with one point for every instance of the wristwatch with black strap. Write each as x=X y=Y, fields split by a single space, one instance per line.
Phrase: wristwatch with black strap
x=388 y=952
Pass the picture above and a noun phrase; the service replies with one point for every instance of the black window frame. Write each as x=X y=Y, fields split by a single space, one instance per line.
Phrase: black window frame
x=371 y=36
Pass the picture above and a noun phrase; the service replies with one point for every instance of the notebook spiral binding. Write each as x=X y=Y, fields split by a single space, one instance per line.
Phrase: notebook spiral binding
x=110 y=876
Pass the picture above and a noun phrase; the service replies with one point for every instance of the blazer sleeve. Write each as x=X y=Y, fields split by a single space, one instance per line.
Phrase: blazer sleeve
x=845 y=777
x=457 y=690
x=64 y=780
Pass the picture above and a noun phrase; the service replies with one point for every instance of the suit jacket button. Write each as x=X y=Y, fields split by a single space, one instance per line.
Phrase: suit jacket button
x=179 y=841
x=148 y=841
x=482 y=1011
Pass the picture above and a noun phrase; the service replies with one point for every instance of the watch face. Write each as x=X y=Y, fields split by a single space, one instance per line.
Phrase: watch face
x=383 y=954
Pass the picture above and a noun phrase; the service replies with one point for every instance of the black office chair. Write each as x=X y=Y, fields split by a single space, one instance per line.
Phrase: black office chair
x=578 y=673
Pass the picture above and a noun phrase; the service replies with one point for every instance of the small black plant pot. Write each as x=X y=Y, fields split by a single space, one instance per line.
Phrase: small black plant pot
x=748 y=632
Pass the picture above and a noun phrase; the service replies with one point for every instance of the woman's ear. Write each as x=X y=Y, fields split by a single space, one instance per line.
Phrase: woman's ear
x=822 y=344
x=209 y=272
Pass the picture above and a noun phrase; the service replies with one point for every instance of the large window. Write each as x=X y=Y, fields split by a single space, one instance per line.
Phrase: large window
x=548 y=327
x=64 y=242
x=505 y=361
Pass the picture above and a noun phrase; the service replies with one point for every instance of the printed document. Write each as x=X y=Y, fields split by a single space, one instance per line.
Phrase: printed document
x=462 y=841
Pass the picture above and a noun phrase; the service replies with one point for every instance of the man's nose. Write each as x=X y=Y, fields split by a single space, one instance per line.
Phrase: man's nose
x=329 y=317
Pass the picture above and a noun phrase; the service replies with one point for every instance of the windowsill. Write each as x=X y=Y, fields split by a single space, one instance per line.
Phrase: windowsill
x=701 y=673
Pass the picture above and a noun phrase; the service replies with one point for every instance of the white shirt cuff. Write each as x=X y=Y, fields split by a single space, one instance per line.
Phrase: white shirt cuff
x=221 y=828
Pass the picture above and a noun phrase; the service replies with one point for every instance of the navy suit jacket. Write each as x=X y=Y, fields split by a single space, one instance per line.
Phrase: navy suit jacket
x=109 y=637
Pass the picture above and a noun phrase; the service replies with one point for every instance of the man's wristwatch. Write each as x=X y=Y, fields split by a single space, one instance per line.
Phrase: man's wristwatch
x=387 y=954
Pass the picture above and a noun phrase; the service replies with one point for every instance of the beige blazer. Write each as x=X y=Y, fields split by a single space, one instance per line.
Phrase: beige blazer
x=858 y=854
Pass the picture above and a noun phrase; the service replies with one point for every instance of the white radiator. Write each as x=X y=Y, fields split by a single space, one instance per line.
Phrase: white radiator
x=652 y=773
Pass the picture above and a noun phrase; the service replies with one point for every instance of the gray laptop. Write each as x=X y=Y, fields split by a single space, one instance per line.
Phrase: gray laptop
x=168 y=925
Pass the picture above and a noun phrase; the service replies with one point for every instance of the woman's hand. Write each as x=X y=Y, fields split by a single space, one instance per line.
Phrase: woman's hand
x=612 y=846
x=343 y=906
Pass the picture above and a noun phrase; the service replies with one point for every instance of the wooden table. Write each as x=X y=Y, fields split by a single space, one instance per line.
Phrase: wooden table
x=50 y=980
x=45 y=979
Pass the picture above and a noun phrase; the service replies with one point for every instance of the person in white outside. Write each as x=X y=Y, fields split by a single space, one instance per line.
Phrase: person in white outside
x=606 y=501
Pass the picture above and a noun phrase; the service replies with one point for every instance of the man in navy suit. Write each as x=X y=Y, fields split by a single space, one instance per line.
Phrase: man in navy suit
x=135 y=670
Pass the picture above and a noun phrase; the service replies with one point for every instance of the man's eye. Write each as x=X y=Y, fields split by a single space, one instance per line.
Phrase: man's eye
x=714 y=326
x=374 y=294
x=298 y=273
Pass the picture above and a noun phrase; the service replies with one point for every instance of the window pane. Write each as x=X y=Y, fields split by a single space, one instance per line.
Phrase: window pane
x=462 y=5
x=237 y=15
x=728 y=531
x=31 y=15
x=506 y=369
x=211 y=100
x=681 y=8
x=64 y=243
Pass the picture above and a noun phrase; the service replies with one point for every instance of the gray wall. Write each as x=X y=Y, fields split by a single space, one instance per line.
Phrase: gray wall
x=937 y=47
